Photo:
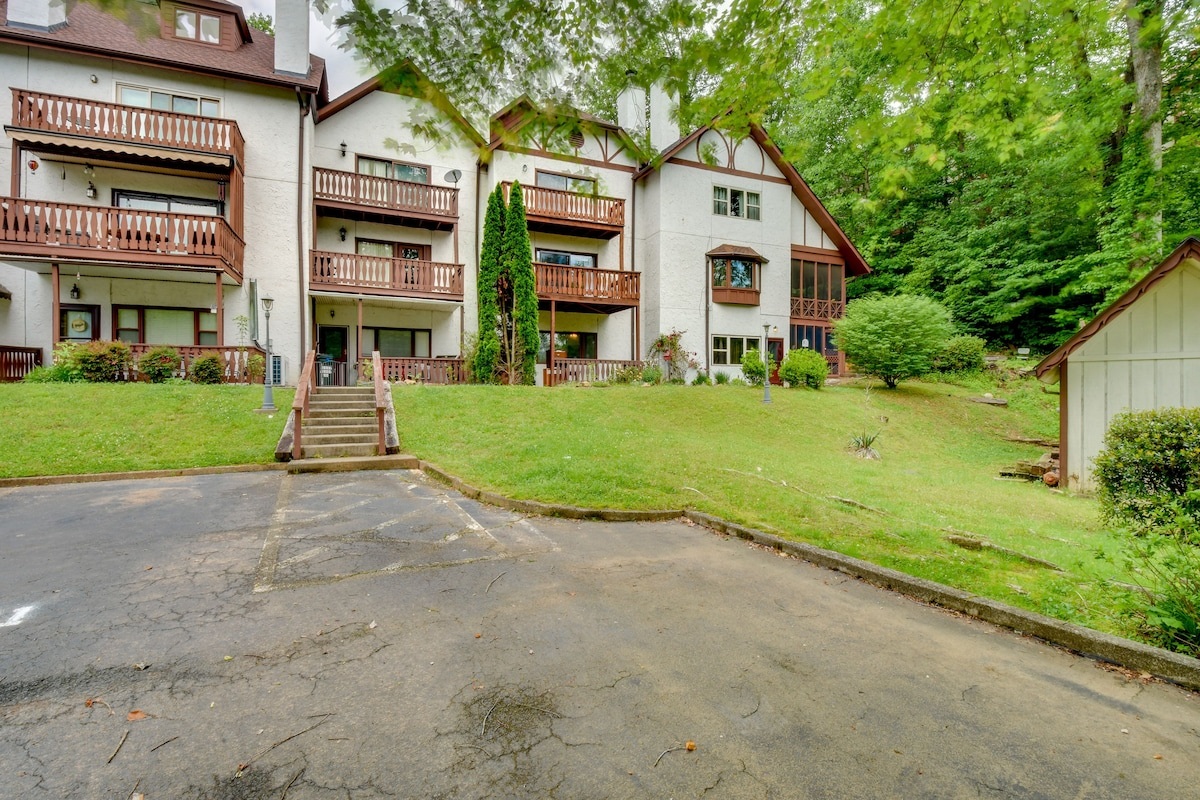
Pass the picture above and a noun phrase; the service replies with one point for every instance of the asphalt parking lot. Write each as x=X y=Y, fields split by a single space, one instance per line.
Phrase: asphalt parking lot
x=366 y=635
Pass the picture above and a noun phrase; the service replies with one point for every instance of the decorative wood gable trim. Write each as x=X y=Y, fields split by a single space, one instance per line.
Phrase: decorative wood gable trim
x=509 y=133
x=1051 y=367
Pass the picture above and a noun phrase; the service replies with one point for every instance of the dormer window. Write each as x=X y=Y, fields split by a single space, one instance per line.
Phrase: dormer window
x=197 y=26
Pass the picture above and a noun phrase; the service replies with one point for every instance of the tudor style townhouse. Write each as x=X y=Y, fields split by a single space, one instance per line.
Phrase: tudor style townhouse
x=168 y=169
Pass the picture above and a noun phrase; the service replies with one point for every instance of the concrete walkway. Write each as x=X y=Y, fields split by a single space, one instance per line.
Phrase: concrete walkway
x=375 y=635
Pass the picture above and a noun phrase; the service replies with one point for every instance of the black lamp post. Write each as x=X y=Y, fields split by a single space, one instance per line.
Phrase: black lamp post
x=268 y=396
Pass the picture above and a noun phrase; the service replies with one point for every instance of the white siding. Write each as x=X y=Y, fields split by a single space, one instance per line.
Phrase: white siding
x=1146 y=357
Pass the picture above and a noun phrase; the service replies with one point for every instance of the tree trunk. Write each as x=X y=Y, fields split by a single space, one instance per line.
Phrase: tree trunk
x=1144 y=21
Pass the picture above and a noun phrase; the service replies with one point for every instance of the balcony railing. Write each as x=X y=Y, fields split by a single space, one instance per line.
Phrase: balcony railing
x=401 y=277
x=571 y=212
x=95 y=233
x=235 y=360
x=386 y=194
x=808 y=308
x=422 y=370
x=606 y=286
x=95 y=119
x=581 y=370
x=16 y=362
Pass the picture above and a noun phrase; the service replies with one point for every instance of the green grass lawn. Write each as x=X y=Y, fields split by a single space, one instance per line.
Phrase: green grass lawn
x=65 y=428
x=719 y=449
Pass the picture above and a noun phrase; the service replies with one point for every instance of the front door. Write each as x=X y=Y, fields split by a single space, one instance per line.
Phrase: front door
x=775 y=348
x=331 y=355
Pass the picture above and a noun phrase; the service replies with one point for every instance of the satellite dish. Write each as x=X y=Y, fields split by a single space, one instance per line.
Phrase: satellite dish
x=453 y=176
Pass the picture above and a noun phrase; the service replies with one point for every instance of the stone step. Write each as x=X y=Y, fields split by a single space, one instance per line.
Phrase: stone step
x=352 y=464
x=344 y=391
x=337 y=450
x=322 y=413
x=341 y=425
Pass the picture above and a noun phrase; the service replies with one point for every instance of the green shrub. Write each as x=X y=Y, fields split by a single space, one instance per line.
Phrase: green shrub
x=103 y=362
x=738 y=381
x=804 y=367
x=753 y=368
x=159 y=363
x=701 y=380
x=1149 y=464
x=961 y=354
x=628 y=374
x=652 y=374
x=893 y=338
x=1165 y=560
x=721 y=378
x=63 y=369
x=256 y=367
x=207 y=369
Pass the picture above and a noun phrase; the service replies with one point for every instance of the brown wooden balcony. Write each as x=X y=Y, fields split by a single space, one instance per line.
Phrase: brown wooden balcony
x=59 y=121
x=42 y=230
x=393 y=277
x=603 y=291
x=16 y=362
x=809 y=308
x=365 y=197
x=571 y=213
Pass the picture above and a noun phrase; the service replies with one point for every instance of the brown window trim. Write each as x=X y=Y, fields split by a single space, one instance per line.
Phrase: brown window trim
x=594 y=256
x=423 y=248
x=595 y=181
x=735 y=295
x=95 y=312
x=170 y=25
x=196 y=329
x=427 y=167
x=414 y=331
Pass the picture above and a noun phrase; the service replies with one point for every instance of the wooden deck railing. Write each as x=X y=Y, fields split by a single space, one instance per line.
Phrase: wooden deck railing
x=808 y=308
x=68 y=230
x=17 y=362
x=392 y=276
x=384 y=193
x=586 y=283
x=579 y=370
x=109 y=121
x=571 y=206
x=235 y=359
x=424 y=370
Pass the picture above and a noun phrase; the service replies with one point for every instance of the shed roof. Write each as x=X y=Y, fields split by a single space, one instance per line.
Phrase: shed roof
x=1048 y=369
x=734 y=251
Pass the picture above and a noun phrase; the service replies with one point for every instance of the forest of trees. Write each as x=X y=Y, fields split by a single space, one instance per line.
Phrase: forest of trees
x=1021 y=162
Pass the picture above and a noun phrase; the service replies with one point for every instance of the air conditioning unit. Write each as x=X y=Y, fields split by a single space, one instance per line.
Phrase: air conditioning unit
x=278 y=370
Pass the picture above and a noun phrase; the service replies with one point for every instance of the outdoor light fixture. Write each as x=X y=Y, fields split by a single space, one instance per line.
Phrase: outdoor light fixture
x=331 y=313
x=268 y=397
x=342 y=233
x=75 y=291
x=343 y=146
x=33 y=165
x=88 y=169
x=766 y=363
x=91 y=191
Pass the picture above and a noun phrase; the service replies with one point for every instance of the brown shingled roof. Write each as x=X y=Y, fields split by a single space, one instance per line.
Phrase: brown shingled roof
x=90 y=30
x=735 y=251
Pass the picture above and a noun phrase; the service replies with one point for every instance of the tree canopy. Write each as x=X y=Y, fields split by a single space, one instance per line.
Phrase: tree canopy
x=1022 y=163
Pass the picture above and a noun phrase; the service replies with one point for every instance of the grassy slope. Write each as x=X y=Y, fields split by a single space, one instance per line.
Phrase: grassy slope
x=56 y=429
x=721 y=450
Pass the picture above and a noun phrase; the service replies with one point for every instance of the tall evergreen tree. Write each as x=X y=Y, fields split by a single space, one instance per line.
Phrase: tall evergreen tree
x=516 y=260
x=487 y=352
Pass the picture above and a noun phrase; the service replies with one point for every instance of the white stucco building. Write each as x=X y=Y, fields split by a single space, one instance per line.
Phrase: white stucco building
x=1140 y=353
x=164 y=172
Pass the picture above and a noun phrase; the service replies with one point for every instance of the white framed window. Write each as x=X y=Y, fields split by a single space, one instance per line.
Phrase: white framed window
x=396 y=170
x=197 y=26
x=161 y=100
x=740 y=203
x=728 y=350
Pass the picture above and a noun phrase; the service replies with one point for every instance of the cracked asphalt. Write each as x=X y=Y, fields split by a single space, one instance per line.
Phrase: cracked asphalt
x=376 y=635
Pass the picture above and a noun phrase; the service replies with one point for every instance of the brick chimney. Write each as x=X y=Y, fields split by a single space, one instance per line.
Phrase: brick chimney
x=42 y=15
x=291 y=37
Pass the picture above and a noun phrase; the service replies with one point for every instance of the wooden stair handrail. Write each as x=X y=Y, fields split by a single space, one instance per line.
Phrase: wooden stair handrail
x=380 y=399
x=304 y=388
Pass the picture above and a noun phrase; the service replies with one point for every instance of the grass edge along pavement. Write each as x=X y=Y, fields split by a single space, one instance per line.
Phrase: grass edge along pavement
x=1143 y=658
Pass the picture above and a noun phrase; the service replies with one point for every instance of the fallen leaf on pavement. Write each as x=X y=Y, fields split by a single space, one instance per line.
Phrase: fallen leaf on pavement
x=136 y=715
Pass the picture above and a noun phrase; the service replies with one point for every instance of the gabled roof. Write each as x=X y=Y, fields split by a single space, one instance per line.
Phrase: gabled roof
x=735 y=251
x=403 y=78
x=507 y=123
x=855 y=263
x=1048 y=369
x=92 y=31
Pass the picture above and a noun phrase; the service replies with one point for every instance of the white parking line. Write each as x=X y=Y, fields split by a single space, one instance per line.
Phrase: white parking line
x=17 y=616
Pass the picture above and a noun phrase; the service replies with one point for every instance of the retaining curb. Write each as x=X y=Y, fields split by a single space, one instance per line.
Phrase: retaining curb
x=1164 y=664
x=100 y=477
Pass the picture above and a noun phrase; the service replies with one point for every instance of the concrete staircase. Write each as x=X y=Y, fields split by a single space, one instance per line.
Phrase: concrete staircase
x=340 y=423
